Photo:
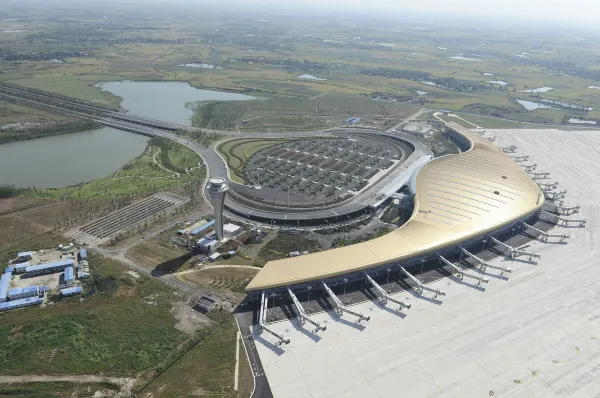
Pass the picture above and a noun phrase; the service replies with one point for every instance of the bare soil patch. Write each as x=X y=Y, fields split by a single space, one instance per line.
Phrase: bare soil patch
x=15 y=229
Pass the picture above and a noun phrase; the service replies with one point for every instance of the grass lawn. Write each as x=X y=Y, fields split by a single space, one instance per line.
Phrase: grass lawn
x=81 y=86
x=207 y=369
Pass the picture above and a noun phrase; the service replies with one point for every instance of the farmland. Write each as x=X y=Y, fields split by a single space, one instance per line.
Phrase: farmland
x=304 y=75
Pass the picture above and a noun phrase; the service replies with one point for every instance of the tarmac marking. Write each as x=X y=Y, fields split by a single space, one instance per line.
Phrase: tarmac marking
x=237 y=361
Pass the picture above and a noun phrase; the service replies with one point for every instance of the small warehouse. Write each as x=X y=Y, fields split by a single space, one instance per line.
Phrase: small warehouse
x=49 y=268
x=206 y=245
x=24 y=256
x=71 y=291
x=26 y=302
x=203 y=228
x=21 y=267
x=230 y=230
x=82 y=254
x=69 y=276
x=24 y=292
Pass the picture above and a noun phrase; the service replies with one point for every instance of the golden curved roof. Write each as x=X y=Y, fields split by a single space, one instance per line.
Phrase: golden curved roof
x=457 y=197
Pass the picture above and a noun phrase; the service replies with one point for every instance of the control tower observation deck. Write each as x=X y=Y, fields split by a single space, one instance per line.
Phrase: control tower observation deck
x=217 y=190
x=458 y=198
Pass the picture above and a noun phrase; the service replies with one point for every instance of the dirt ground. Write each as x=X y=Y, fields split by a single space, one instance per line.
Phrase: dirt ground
x=15 y=204
x=14 y=229
x=189 y=320
x=154 y=251
x=126 y=384
x=229 y=281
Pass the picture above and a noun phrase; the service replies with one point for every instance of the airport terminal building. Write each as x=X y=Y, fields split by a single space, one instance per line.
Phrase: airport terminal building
x=461 y=200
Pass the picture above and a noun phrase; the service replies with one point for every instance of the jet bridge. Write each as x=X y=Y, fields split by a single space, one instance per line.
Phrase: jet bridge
x=547 y=187
x=540 y=176
x=529 y=167
x=420 y=285
x=302 y=316
x=340 y=308
x=262 y=321
x=509 y=149
x=385 y=297
x=460 y=273
x=562 y=210
x=481 y=264
x=520 y=159
x=544 y=235
x=553 y=196
x=565 y=221
x=514 y=252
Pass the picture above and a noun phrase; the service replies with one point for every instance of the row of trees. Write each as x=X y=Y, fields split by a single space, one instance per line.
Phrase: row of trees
x=31 y=133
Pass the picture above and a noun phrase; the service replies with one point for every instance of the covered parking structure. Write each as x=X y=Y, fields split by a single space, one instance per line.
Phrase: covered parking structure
x=461 y=201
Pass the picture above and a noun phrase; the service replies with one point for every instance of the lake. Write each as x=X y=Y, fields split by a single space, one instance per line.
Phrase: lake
x=62 y=160
x=165 y=101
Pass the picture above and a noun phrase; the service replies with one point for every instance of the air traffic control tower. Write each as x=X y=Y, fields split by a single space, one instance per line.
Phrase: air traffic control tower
x=217 y=189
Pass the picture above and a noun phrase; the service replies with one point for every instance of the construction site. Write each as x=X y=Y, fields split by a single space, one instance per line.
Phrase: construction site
x=35 y=275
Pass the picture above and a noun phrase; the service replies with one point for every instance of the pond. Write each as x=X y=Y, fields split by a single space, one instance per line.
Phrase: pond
x=531 y=106
x=69 y=159
x=165 y=101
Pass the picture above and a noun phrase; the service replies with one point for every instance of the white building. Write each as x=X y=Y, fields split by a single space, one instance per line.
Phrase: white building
x=206 y=245
x=230 y=230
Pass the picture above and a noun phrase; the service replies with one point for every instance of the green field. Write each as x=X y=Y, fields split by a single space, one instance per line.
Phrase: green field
x=236 y=152
x=74 y=86
x=298 y=113
x=206 y=369
x=121 y=328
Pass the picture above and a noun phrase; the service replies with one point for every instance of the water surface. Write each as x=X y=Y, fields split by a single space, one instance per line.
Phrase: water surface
x=165 y=101
x=69 y=159
x=531 y=106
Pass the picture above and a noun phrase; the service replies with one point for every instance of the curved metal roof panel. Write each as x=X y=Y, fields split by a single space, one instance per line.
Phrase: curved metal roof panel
x=457 y=197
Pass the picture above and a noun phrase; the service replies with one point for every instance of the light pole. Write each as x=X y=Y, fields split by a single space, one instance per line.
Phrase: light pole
x=345 y=282
x=388 y=276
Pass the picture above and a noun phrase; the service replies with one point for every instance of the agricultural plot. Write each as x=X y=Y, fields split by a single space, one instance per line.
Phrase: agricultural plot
x=130 y=216
x=321 y=169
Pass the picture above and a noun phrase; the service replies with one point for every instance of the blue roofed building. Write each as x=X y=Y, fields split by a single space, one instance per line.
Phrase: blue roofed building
x=82 y=254
x=49 y=268
x=21 y=267
x=71 y=291
x=69 y=276
x=14 y=304
x=203 y=228
x=9 y=270
x=24 y=256
x=4 y=285
x=23 y=292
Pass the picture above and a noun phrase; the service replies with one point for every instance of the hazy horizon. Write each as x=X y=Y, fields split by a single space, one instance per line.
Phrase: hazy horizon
x=576 y=13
